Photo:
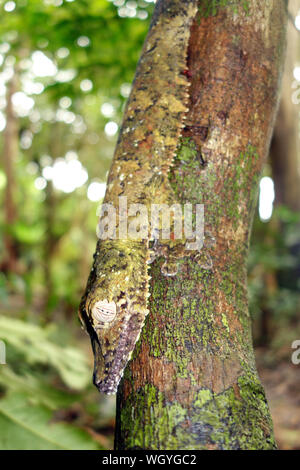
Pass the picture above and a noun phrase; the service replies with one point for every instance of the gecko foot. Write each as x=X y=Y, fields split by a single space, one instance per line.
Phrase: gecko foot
x=169 y=268
x=204 y=260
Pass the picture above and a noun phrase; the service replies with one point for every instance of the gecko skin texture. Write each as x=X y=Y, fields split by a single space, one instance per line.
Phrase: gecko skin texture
x=114 y=306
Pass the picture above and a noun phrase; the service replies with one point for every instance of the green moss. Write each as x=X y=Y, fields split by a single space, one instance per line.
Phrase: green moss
x=225 y=322
x=190 y=323
x=158 y=423
x=203 y=396
x=234 y=419
x=187 y=150
x=237 y=420
x=186 y=305
x=197 y=185
x=211 y=7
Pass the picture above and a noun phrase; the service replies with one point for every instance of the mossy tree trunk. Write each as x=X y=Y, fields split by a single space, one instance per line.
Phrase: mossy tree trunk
x=192 y=383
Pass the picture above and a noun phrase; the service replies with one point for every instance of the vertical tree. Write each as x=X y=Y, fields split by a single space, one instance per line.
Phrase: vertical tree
x=192 y=383
x=9 y=155
x=284 y=155
x=285 y=161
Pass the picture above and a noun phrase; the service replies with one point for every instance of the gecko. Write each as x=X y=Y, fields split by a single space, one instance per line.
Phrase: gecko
x=114 y=306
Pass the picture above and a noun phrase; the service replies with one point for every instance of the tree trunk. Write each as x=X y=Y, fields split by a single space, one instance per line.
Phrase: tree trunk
x=49 y=250
x=284 y=154
x=192 y=383
x=285 y=147
x=9 y=155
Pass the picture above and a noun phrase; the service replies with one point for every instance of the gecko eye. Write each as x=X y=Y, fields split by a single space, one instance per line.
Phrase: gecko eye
x=104 y=311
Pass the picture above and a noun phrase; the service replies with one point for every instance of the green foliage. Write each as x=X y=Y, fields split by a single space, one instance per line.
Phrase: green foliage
x=35 y=361
x=211 y=7
x=35 y=345
x=55 y=231
x=24 y=428
x=92 y=48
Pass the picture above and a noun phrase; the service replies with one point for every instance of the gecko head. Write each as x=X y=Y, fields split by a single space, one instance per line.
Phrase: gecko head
x=116 y=329
x=115 y=309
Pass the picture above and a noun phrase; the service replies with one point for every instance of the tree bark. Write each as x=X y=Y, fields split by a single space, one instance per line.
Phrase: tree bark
x=192 y=382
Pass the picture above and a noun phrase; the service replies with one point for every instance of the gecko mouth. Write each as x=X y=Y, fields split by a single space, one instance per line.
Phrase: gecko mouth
x=109 y=387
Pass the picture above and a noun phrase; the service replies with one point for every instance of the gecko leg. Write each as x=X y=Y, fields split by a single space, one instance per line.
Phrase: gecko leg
x=176 y=250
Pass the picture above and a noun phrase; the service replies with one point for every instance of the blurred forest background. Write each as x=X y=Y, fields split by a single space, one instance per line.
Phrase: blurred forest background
x=65 y=72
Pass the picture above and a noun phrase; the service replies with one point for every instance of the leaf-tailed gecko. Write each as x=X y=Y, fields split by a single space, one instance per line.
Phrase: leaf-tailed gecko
x=114 y=306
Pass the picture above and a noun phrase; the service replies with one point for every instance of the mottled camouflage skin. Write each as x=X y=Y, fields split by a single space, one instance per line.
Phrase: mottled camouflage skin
x=147 y=143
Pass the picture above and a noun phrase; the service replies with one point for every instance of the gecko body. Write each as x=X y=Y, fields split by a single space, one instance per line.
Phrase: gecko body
x=114 y=306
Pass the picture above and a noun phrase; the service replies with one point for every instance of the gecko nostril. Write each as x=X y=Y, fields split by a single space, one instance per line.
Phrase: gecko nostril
x=104 y=311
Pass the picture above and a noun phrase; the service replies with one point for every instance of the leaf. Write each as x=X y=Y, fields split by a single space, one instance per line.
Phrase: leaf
x=27 y=427
x=24 y=233
x=34 y=344
x=35 y=388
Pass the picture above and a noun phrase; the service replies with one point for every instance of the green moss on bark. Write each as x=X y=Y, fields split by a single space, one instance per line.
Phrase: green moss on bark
x=233 y=419
x=211 y=7
x=187 y=328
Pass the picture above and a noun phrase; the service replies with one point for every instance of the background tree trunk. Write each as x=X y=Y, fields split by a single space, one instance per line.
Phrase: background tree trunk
x=9 y=155
x=285 y=147
x=284 y=154
x=192 y=383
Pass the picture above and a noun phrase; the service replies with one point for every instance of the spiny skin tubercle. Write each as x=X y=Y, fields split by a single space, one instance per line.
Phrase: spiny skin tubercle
x=120 y=272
